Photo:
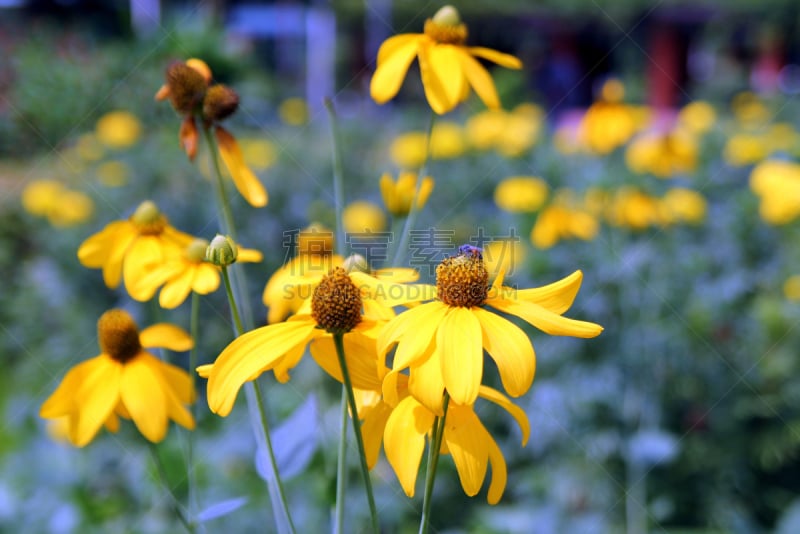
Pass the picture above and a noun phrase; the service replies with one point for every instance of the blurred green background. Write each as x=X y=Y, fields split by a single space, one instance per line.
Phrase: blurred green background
x=681 y=417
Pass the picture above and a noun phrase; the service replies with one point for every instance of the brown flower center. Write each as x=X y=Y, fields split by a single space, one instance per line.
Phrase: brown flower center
x=148 y=219
x=446 y=33
x=119 y=335
x=462 y=280
x=336 y=303
x=186 y=87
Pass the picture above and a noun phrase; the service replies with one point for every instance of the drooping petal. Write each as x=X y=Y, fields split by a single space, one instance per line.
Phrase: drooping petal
x=426 y=384
x=95 y=400
x=504 y=60
x=511 y=350
x=143 y=396
x=445 y=62
x=145 y=253
x=93 y=252
x=545 y=320
x=414 y=329
x=291 y=359
x=516 y=412
x=360 y=355
x=148 y=284
x=460 y=344
x=434 y=88
x=404 y=440
x=480 y=80
x=257 y=350
x=174 y=397
x=394 y=58
x=372 y=428
x=166 y=335
x=391 y=293
x=499 y=473
x=112 y=423
x=206 y=279
x=246 y=182
x=176 y=289
x=178 y=381
x=187 y=137
x=249 y=255
x=62 y=401
x=556 y=297
x=468 y=443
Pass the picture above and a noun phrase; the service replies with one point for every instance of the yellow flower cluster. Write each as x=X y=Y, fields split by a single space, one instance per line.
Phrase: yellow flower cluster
x=777 y=184
x=61 y=206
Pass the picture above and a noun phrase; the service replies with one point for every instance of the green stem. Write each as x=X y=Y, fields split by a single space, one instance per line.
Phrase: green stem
x=412 y=210
x=227 y=215
x=254 y=398
x=338 y=340
x=162 y=476
x=433 y=460
x=340 y=467
x=338 y=180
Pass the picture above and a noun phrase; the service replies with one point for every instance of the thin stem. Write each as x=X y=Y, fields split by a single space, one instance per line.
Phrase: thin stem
x=338 y=340
x=162 y=476
x=338 y=180
x=433 y=460
x=225 y=205
x=412 y=210
x=254 y=398
x=340 y=466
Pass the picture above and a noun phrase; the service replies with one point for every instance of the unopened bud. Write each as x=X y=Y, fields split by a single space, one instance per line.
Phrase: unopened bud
x=222 y=251
x=356 y=262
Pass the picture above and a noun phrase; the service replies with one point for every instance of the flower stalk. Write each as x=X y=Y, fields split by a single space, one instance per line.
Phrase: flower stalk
x=433 y=460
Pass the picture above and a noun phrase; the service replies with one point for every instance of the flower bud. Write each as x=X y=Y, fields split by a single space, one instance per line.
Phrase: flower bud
x=222 y=251
x=220 y=102
x=196 y=251
x=186 y=87
x=447 y=16
x=356 y=262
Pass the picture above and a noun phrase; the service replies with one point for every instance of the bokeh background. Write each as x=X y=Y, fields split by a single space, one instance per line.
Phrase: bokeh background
x=653 y=145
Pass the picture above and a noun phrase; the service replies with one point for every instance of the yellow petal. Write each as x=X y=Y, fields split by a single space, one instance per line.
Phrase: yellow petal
x=112 y=423
x=148 y=284
x=414 y=329
x=176 y=385
x=394 y=58
x=204 y=370
x=426 y=384
x=93 y=252
x=402 y=275
x=392 y=294
x=249 y=255
x=377 y=312
x=556 y=297
x=167 y=336
x=142 y=394
x=372 y=429
x=360 y=355
x=499 y=473
x=178 y=381
x=504 y=60
x=95 y=400
x=290 y=361
x=461 y=349
x=144 y=254
x=177 y=289
x=404 y=440
x=480 y=80
x=445 y=63
x=62 y=401
x=468 y=443
x=255 y=351
x=511 y=350
x=545 y=320
x=434 y=89
x=516 y=412
x=206 y=279
x=246 y=182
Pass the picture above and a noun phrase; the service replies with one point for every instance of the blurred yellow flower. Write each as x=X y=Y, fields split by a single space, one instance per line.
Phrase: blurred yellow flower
x=663 y=154
x=113 y=173
x=398 y=196
x=608 y=125
x=698 y=116
x=125 y=381
x=362 y=216
x=88 y=147
x=260 y=154
x=408 y=151
x=563 y=218
x=782 y=137
x=745 y=149
x=448 y=67
x=130 y=248
x=61 y=206
x=777 y=184
x=118 y=129
x=791 y=288
x=510 y=133
x=293 y=111
x=635 y=209
x=685 y=205
x=750 y=110
x=503 y=256
x=521 y=194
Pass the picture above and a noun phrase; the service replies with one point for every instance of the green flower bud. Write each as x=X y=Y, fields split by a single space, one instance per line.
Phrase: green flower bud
x=222 y=251
x=356 y=262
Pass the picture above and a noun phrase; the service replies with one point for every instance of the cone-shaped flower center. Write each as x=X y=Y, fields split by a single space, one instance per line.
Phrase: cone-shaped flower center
x=148 y=219
x=186 y=87
x=118 y=335
x=446 y=27
x=196 y=251
x=462 y=280
x=220 y=102
x=336 y=303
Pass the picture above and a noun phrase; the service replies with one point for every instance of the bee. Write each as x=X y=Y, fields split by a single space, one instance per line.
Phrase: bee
x=471 y=250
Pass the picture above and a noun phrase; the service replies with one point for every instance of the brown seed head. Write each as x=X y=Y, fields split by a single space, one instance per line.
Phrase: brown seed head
x=220 y=102
x=118 y=335
x=186 y=87
x=148 y=219
x=336 y=303
x=462 y=281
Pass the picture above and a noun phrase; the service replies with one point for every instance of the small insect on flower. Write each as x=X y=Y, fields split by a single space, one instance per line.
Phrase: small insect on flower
x=471 y=250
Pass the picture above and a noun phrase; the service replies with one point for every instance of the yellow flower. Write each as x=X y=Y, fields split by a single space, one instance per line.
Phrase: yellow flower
x=334 y=307
x=448 y=67
x=409 y=150
x=362 y=216
x=185 y=273
x=521 y=194
x=118 y=129
x=398 y=196
x=113 y=173
x=129 y=249
x=635 y=209
x=698 y=116
x=791 y=288
x=503 y=256
x=745 y=149
x=685 y=205
x=442 y=341
x=88 y=147
x=259 y=154
x=61 y=206
x=465 y=439
x=777 y=184
x=563 y=218
x=126 y=381
x=512 y=134
x=293 y=111
x=663 y=154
